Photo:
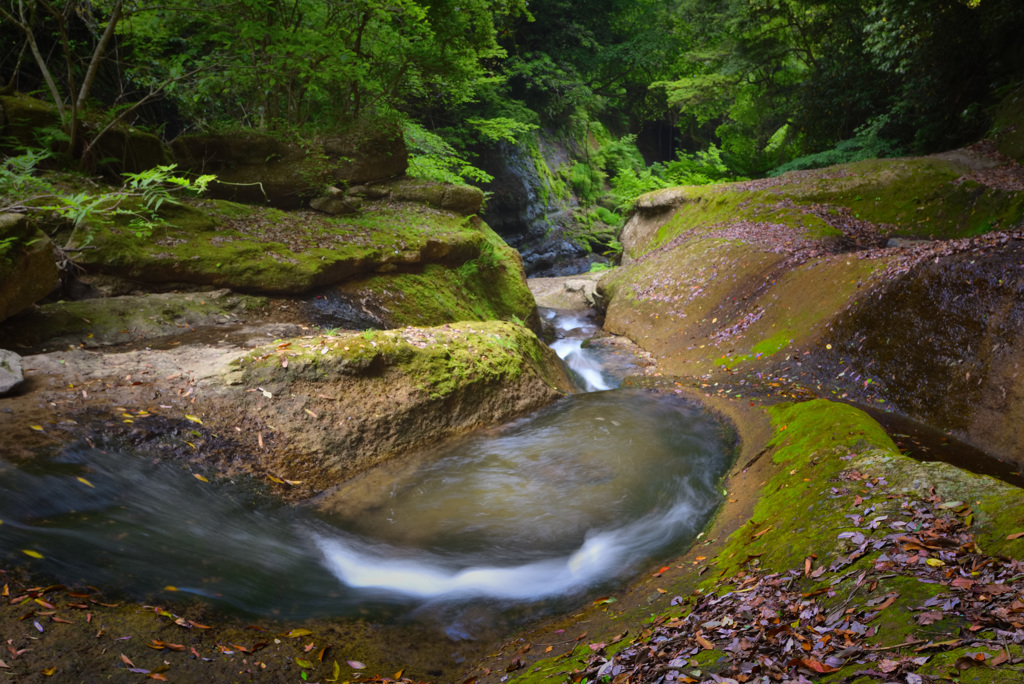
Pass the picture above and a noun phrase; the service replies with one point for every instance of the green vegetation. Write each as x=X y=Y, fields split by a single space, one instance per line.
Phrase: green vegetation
x=644 y=94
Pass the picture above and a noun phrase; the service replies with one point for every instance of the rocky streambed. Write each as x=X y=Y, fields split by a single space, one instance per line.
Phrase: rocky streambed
x=774 y=304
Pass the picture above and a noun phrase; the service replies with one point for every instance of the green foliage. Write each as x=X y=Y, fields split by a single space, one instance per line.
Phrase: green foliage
x=23 y=190
x=432 y=158
x=701 y=168
x=500 y=128
x=867 y=144
x=587 y=182
x=18 y=180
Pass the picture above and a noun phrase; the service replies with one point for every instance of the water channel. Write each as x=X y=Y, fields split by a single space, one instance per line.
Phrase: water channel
x=544 y=510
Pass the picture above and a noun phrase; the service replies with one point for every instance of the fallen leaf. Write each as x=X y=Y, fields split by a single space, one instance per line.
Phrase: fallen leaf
x=85 y=482
x=31 y=554
x=199 y=477
x=296 y=633
x=1015 y=535
x=194 y=419
x=303 y=663
x=127 y=661
x=49 y=672
x=355 y=665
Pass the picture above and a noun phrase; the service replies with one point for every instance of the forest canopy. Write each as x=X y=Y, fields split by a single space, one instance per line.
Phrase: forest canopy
x=760 y=84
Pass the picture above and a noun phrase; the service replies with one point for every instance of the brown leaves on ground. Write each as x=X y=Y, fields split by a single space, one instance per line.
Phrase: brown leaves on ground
x=792 y=627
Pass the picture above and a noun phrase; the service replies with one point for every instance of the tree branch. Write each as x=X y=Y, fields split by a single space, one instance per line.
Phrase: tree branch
x=101 y=46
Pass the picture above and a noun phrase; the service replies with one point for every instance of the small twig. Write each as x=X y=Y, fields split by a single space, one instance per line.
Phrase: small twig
x=905 y=644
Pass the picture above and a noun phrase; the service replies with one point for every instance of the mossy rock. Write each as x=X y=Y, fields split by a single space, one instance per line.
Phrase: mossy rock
x=929 y=197
x=21 y=117
x=93 y=323
x=490 y=286
x=342 y=403
x=263 y=250
x=1008 y=128
x=124 y=149
x=28 y=267
x=262 y=169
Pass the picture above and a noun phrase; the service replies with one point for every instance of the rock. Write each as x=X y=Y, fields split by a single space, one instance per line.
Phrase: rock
x=104 y=321
x=383 y=393
x=22 y=117
x=336 y=205
x=28 y=270
x=129 y=150
x=261 y=169
x=462 y=199
x=575 y=293
x=260 y=250
x=10 y=371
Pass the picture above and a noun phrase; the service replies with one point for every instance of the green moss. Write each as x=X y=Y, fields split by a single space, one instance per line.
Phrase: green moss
x=921 y=197
x=1008 y=127
x=801 y=516
x=439 y=361
x=265 y=250
x=490 y=286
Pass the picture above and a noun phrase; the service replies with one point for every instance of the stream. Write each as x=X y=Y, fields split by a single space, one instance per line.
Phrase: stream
x=548 y=509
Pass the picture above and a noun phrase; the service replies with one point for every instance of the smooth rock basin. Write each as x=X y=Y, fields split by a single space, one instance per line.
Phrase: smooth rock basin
x=563 y=502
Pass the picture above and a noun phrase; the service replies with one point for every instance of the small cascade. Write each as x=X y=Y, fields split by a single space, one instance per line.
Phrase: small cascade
x=596 y=368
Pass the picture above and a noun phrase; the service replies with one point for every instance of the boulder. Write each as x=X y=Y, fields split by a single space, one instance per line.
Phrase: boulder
x=336 y=202
x=129 y=150
x=21 y=116
x=257 y=168
x=576 y=293
x=10 y=371
x=28 y=271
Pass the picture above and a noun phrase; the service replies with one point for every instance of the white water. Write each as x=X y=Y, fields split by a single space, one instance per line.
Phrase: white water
x=584 y=365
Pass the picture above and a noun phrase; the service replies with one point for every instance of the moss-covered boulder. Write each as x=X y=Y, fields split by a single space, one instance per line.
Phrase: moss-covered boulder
x=321 y=408
x=888 y=281
x=424 y=266
x=22 y=118
x=264 y=169
x=104 y=321
x=490 y=286
x=28 y=269
x=1008 y=128
x=124 y=149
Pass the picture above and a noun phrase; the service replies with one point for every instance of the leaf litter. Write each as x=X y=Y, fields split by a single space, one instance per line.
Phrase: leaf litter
x=799 y=625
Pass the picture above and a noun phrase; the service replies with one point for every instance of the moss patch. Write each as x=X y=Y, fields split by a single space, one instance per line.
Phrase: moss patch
x=268 y=251
x=488 y=287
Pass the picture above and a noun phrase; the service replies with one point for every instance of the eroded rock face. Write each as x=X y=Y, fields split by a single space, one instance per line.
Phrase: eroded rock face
x=261 y=169
x=854 y=280
x=28 y=269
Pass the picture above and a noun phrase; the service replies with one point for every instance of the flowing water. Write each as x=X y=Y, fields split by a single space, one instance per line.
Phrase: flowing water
x=564 y=502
